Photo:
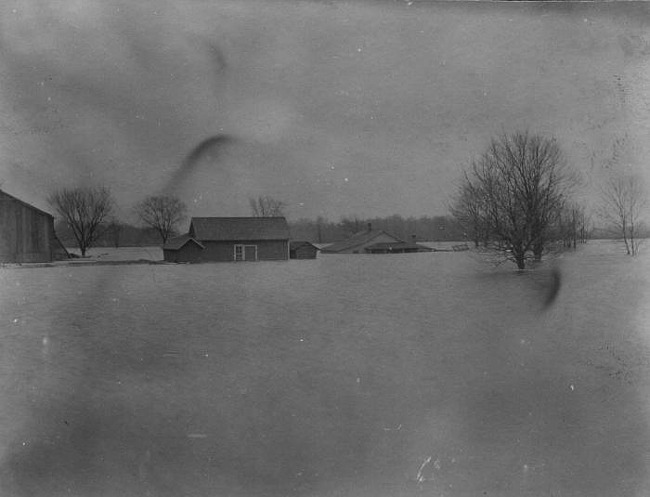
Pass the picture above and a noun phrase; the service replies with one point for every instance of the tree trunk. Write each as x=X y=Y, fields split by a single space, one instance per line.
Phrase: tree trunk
x=538 y=250
x=521 y=263
x=520 y=258
x=627 y=244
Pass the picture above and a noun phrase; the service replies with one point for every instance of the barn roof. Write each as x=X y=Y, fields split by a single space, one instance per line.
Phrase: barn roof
x=178 y=242
x=219 y=229
x=360 y=238
x=2 y=192
x=295 y=244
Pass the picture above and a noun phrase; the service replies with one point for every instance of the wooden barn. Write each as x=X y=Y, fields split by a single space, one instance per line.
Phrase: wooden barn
x=27 y=233
x=374 y=242
x=302 y=250
x=223 y=239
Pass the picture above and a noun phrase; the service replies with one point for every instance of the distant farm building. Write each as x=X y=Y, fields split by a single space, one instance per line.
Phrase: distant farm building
x=27 y=233
x=374 y=242
x=223 y=239
x=302 y=250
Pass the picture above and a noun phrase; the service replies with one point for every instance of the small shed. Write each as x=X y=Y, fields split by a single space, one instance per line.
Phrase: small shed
x=27 y=233
x=299 y=249
x=182 y=248
x=222 y=239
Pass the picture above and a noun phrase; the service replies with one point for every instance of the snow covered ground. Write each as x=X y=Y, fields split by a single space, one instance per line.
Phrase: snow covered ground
x=121 y=253
x=396 y=375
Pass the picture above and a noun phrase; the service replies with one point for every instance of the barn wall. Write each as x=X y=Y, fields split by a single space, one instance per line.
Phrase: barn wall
x=25 y=232
x=273 y=250
x=170 y=255
x=267 y=250
x=305 y=252
x=224 y=251
x=190 y=252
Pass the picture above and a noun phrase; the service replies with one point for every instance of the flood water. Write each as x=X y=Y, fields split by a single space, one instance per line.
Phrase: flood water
x=396 y=375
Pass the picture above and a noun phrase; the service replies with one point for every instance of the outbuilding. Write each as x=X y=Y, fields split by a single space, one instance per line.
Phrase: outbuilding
x=373 y=241
x=223 y=239
x=27 y=233
x=299 y=249
x=182 y=248
x=396 y=248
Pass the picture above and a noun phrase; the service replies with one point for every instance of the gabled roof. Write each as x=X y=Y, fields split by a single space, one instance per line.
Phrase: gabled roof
x=358 y=239
x=219 y=229
x=295 y=244
x=398 y=246
x=178 y=242
x=2 y=192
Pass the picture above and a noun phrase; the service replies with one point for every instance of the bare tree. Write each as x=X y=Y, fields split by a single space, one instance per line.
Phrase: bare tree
x=623 y=203
x=84 y=210
x=572 y=225
x=514 y=192
x=266 y=206
x=469 y=210
x=114 y=230
x=162 y=213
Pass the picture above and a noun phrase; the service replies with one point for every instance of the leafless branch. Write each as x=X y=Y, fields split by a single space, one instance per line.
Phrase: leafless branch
x=266 y=206
x=84 y=210
x=162 y=213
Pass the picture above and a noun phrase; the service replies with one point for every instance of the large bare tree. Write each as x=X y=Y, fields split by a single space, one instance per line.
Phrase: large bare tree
x=84 y=210
x=623 y=202
x=513 y=193
x=266 y=206
x=162 y=213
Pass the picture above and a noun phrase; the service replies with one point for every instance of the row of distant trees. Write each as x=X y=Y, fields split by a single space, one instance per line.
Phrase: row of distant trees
x=424 y=228
x=518 y=199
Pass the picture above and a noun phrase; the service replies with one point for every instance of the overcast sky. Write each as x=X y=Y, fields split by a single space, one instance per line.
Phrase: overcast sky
x=337 y=108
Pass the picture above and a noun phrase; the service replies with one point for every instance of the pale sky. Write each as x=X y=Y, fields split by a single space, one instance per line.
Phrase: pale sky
x=336 y=108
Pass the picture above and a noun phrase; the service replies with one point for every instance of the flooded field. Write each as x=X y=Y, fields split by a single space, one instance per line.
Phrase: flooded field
x=397 y=375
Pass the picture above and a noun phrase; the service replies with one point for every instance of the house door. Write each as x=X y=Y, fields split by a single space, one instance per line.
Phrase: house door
x=250 y=252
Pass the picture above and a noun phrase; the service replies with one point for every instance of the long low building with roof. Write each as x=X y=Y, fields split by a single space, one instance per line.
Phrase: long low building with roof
x=372 y=241
x=223 y=239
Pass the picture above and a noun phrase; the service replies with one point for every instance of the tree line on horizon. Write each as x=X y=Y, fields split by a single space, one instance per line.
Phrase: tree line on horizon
x=114 y=233
x=517 y=199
